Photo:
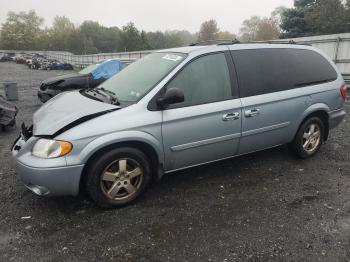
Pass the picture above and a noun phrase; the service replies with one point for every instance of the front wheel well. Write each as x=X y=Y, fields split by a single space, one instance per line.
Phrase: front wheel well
x=147 y=149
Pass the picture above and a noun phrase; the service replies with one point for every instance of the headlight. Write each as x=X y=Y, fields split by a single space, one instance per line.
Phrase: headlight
x=48 y=148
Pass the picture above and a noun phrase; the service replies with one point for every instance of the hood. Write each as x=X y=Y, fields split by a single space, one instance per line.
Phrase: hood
x=62 y=77
x=62 y=111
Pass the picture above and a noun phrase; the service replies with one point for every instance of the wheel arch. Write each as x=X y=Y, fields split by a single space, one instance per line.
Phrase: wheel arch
x=152 y=148
x=321 y=111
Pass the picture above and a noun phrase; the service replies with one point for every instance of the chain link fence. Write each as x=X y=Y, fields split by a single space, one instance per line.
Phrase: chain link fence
x=335 y=46
x=81 y=61
x=84 y=60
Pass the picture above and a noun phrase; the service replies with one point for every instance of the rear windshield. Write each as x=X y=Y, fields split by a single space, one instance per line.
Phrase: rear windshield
x=262 y=71
x=137 y=79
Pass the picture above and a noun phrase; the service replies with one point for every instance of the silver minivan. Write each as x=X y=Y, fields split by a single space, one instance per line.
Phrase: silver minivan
x=176 y=109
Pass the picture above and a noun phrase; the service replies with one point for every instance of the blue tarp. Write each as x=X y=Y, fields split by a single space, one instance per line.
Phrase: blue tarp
x=107 y=69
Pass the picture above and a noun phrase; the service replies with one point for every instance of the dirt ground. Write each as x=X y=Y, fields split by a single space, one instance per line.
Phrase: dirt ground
x=267 y=206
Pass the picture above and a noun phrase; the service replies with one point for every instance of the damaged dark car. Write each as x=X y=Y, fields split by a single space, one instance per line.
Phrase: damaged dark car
x=89 y=77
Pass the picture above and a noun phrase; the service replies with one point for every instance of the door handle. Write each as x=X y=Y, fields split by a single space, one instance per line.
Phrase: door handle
x=230 y=116
x=252 y=112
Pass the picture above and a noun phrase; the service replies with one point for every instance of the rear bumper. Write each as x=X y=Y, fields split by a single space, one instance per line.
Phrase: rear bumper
x=60 y=181
x=336 y=117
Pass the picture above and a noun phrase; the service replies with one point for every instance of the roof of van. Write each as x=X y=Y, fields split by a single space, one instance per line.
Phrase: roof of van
x=190 y=49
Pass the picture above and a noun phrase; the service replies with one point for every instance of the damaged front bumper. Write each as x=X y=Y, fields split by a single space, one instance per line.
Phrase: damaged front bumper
x=59 y=181
x=44 y=176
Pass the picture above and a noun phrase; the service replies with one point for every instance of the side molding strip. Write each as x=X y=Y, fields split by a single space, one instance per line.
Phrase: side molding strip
x=228 y=137
x=205 y=142
x=265 y=129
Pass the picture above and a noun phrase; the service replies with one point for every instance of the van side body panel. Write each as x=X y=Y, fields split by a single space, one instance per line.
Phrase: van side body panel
x=273 y=118
x=276 y=122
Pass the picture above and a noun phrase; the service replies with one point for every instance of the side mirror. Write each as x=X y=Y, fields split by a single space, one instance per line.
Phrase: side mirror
x=172 y=96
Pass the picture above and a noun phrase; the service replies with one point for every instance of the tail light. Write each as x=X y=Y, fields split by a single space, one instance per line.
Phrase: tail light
x=343 y=90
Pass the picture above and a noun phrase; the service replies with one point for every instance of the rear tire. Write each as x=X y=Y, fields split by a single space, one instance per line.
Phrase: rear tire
x=309 y=138
x=118 y=177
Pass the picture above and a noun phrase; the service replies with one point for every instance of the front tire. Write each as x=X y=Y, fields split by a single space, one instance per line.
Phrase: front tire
x=118 y=177
x=309 y=138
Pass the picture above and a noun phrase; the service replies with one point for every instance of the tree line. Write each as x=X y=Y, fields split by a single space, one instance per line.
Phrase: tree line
x=24 y=30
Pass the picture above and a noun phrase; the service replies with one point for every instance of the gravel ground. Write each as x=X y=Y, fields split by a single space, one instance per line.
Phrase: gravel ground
x=267 y=206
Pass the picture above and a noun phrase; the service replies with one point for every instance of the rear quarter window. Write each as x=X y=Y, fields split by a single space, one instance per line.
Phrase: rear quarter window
x=263 y=71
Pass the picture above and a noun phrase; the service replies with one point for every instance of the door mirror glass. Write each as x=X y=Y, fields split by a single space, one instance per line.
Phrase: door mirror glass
x=172 y=96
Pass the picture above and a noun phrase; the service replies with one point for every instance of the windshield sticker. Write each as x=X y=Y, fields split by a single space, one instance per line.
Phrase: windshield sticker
x=172 y=57
x=134 y=94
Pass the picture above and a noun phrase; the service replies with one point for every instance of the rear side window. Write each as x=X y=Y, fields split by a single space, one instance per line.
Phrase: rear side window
x=263 y=71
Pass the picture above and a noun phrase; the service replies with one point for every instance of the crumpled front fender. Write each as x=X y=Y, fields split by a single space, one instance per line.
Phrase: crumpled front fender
x=101 y=142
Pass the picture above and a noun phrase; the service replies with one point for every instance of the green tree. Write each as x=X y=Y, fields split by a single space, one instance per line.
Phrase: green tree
x=110 y=40
x=103 y=38
x=58 y=34
x=156 y=40
x=168 y=39
x=294 y=23
x=277 y=14
x=22 y=31
x=131 y=39
x=315 y=17
x=329 y=17
x=77 y=43
x=208 y=30
x=184 y=37
x=173 y=39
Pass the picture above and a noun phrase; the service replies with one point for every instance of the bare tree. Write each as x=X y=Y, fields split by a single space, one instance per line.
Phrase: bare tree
x=249 y=28
x=209 y=30
x=267 y=29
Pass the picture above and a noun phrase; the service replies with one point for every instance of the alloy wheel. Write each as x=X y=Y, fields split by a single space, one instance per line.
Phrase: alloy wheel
x=121 y=179
x=311 y=138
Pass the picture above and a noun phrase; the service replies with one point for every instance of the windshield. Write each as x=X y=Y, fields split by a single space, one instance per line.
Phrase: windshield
x=133 y=82
x=88 y=69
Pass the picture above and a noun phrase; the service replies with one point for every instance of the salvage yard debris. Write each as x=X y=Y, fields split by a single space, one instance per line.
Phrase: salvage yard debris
x=35 y=61
x=89 y=77
x=8 y=112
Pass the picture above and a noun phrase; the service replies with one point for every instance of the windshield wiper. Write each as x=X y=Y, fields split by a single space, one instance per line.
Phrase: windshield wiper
x=106 y=91
x=111 y=94
x=103 y=95
x=93 y=95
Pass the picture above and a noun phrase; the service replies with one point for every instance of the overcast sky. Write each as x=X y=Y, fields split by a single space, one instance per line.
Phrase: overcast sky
x=149 y=15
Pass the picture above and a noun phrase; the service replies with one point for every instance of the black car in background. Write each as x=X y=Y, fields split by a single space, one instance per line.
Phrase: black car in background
x=90 y=77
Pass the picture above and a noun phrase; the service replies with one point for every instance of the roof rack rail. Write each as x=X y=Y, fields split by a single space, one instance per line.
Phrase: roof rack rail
x=281 y=42
x=231 y=42
x=217 y=42
x=235 y=41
